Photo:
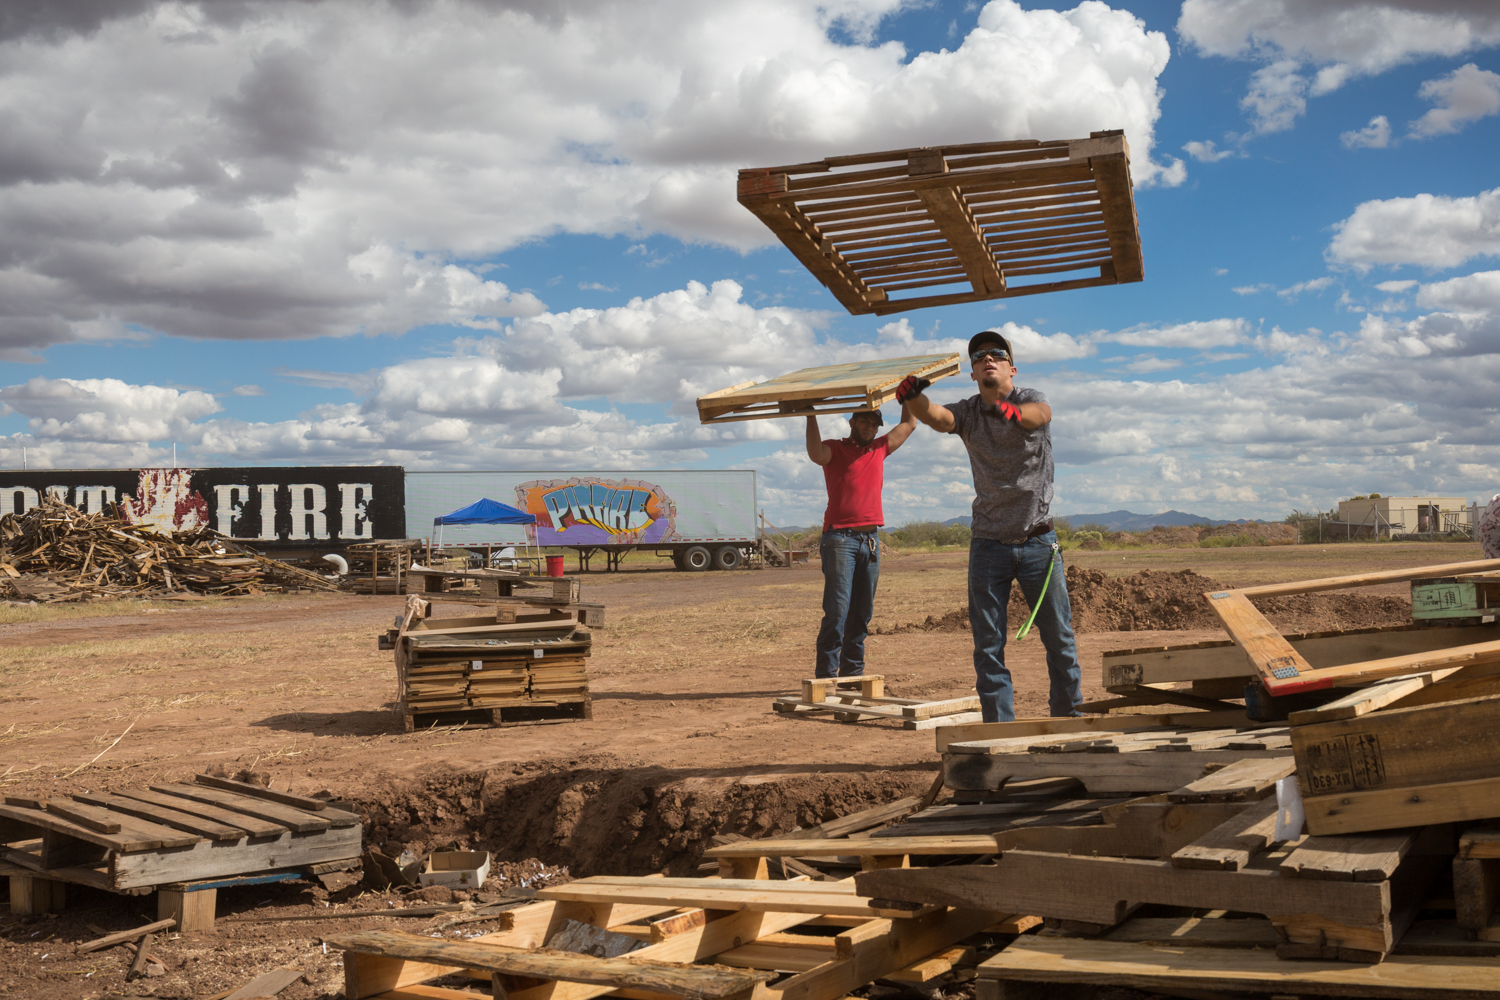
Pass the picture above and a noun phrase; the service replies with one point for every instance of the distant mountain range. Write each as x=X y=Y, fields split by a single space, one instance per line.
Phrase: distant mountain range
x=1124 y=520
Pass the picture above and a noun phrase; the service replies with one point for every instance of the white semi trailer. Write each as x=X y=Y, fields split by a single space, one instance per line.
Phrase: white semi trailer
x=706 y=519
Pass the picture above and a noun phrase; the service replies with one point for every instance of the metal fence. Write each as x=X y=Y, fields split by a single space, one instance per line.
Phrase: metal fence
x=1432 y=525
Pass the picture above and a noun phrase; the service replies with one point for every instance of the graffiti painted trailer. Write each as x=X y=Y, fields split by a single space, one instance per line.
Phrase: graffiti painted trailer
x=704 y=518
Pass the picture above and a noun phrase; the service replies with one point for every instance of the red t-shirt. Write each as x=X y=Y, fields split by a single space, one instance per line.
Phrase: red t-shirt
x=854 y=477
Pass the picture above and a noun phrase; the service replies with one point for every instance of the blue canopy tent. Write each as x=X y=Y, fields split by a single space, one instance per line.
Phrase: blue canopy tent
x=482 y=511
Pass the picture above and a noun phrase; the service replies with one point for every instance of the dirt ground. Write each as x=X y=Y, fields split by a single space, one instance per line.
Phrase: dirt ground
x=682 y=745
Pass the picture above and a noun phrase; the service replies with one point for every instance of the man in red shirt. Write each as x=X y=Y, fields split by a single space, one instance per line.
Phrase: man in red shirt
x=854 y=472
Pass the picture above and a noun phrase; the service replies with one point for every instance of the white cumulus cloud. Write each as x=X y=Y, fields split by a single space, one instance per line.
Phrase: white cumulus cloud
x=1199 y=334
x=285 y=170
x=1463 y=96
x=1433 y=231
x=1376 y=135
x=1312 y=47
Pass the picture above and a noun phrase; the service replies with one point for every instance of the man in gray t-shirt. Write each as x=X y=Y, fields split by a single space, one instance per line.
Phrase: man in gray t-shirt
x=1005 y=430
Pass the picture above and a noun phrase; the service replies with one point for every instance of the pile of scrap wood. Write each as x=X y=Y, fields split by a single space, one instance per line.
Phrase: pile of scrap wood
x=380 y=566
x=513 y=666
x=54 y=552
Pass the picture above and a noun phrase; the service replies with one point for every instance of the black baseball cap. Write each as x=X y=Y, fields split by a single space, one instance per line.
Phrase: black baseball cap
x=879 y=420
x=984 y=337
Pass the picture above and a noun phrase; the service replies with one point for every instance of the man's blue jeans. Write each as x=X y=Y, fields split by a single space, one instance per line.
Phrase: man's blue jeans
x=992 y=567
x=851 y=569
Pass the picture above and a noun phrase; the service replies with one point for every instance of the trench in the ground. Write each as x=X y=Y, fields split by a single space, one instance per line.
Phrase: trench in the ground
x=618 y=821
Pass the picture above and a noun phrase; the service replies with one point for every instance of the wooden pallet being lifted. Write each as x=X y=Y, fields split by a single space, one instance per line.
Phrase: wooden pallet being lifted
x=981 y=214
x=862 y=385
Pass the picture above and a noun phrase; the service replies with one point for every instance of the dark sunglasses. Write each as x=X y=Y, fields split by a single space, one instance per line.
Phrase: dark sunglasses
x=992 y=352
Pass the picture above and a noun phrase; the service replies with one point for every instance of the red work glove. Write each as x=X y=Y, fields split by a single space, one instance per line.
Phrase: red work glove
x=1007 y=411
x=911 y=386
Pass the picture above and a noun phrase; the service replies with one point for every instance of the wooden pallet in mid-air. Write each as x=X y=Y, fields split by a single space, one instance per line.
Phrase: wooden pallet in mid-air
x=860 y=385
x=992 y=216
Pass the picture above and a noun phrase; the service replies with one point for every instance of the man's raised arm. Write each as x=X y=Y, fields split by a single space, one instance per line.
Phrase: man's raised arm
x=817 y=450
x=934 y=415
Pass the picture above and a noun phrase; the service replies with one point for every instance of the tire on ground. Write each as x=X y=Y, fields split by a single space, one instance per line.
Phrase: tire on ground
x=727 y=557
x=696 y=559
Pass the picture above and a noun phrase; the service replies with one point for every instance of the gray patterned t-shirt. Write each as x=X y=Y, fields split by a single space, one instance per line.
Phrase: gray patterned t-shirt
x=1012 y=466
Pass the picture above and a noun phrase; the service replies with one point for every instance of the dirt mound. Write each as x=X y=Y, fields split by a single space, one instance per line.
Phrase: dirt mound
x=598 y=817
x=1151 y=601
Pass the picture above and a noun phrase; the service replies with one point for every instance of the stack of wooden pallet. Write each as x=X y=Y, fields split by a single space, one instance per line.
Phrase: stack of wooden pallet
x=184 y=841
x=511 y=667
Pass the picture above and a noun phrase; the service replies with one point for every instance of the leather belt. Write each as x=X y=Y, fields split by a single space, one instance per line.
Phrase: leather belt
x=863 y=529
x=1040 y=529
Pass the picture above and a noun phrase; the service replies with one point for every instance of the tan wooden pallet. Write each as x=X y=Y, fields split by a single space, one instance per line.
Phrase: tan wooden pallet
x=846 y=388
x=133 y=840
x=735 y=947
x=863 y=699
x=1144 y=759
x=981 y=214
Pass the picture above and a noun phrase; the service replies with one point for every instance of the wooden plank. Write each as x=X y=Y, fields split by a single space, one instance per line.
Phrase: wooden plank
x=860 y=380
x=120 y=842
x=118 y=937
x=1396 y=808
x=1100 y=890
x=1370 y=699
x=980 y=737
x=1349 y=859
x=1476 y=890
x=98 y=820
x=252 y=826
x=788 y=847
x=1480 y=842
x=814 y=898
x=956 y=222
x=293 y=819
x=1232 y=844
x=1100 y=773
x=210 y=859
x=704 y=981
x=261 y=792
x=162 y=815
x=1174 y=969
x=1400 y=748
x=267 y=984
x=1241 y=781
x=1272 y=657
x=1370 y=579
x=1196 y=932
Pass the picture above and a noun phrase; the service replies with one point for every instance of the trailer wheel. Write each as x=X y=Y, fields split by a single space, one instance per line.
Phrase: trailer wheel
x=727 y=557
x=697 y=559
x=677 y=558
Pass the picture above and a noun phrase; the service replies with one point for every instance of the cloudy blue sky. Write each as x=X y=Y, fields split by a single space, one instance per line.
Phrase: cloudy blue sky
x=489 y=234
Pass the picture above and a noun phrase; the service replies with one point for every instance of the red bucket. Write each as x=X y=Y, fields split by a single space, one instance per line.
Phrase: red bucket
x=554 y=565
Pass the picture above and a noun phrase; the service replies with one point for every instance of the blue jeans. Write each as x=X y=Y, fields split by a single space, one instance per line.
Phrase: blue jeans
x=851 y=569
x=992 y=567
